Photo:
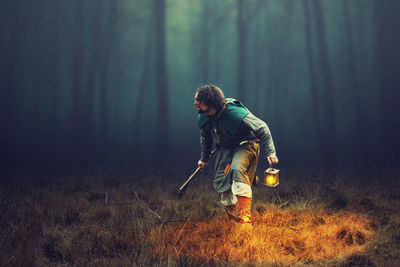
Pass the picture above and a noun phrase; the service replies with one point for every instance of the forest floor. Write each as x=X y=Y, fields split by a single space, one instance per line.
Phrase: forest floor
x=118 y=219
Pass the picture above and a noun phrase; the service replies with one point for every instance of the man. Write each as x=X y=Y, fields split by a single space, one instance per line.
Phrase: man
x=237 y=133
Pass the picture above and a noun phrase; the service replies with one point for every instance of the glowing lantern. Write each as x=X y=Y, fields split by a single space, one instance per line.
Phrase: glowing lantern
x=271 y=177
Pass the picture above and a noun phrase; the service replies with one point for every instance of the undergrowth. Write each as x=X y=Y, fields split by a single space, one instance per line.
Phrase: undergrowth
x=120 y=219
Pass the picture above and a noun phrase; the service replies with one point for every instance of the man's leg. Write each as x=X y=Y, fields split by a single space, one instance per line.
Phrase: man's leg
x=223 y=183
x=244 y=164
x=228 y=200
x=243 y=194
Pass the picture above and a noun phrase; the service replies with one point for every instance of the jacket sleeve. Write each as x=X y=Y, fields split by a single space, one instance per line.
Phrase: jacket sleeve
x=262 y=132
x=206 y=142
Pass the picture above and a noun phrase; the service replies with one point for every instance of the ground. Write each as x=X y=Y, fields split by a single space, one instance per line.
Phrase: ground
x=109 y=218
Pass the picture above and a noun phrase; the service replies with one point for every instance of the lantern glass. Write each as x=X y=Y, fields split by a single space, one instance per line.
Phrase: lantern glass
x=271 y=177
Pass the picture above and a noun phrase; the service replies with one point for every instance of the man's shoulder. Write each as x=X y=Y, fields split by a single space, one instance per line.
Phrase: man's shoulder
x=232 y=101
x=234 y=109
x=233 y=114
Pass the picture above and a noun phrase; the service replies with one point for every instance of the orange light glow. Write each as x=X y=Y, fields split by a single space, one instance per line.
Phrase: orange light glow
x=271 y=179
x=277 y=236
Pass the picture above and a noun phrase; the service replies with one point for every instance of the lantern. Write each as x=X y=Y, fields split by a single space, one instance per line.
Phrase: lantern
x=271 y=177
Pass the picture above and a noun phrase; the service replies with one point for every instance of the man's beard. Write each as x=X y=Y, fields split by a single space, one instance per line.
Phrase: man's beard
x=203 y=111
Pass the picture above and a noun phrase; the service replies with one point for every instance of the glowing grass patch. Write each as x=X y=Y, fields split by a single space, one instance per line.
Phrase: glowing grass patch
x=276 y=236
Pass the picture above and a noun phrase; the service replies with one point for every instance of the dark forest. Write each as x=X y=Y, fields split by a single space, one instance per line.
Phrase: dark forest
x=113 y=81
x=97 y=109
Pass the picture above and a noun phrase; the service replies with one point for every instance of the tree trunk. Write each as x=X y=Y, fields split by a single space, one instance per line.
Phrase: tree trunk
x=9 y=84
x=328 y=98
x=93 y=75
x=161 y=78
x=77 y=65
x=283 y=59
x=388 y=58
x=244 y=17
x=355 y=91
x=257 y=67
x=241 y=27
x=109 y=35
x=143 y=85
x=316 y=108
x=205 y=44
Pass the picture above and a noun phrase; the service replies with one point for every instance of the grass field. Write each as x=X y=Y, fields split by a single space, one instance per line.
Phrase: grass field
x=123 y=219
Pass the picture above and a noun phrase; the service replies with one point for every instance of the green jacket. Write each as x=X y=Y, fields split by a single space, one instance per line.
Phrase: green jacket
x=236 y=124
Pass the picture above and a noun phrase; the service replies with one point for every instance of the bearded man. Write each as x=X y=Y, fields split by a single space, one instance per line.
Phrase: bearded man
x=237 y=134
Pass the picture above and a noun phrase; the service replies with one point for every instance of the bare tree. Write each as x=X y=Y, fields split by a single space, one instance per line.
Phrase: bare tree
x=313 y=76
x=54 y=86
x=205 y=42
x=355 y=90
x=206 y=35
x=143 y=85
x=161 y=76
x=107 y=43
x=324 y=102
x=257 y=61
x=282 y=59
x=91 y=81
x=388 y=58
x=77 y=73
x=9 y=81
x=328 y=98
x=244 y=17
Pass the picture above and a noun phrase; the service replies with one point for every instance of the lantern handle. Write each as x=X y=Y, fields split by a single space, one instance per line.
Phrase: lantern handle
x=271 y=165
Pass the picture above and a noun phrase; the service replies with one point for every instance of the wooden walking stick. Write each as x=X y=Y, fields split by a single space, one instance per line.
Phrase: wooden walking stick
x=185 y=185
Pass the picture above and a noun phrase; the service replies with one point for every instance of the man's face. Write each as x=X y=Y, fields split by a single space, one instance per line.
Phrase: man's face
x=201 y=107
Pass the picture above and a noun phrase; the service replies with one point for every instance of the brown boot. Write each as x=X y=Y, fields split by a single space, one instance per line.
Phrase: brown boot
x=232 y=212
x=244 y=207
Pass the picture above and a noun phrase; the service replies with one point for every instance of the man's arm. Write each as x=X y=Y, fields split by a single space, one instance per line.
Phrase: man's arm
x=206 y=142
x=262 y=132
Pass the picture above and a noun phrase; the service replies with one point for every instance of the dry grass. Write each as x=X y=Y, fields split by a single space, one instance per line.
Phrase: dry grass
x=116 y=219
x=277 y=235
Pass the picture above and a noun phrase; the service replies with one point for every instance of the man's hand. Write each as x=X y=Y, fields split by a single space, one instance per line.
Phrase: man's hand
x=201 y=164
x=272 y=159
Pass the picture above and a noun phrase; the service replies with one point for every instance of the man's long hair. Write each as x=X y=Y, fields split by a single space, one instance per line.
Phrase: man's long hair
x=211 y=95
